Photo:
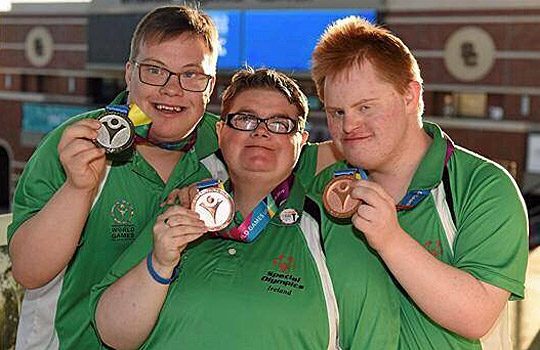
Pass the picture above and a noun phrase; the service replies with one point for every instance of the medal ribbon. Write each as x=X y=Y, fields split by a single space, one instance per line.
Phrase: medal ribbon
x=358 y=174
x=260 y=217
x=209 y=183
x=414 y=197
x=142 y=128
x=122 y=109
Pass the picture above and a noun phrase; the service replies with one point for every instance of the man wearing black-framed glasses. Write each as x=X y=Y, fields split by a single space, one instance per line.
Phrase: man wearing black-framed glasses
x=74 y=214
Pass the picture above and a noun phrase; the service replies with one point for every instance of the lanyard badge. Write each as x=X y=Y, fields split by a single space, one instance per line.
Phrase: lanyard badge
x=117 y=131
x=337 y=198
x=214 y=205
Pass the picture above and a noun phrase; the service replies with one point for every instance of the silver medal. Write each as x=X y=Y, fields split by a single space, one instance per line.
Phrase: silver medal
x=116 y=133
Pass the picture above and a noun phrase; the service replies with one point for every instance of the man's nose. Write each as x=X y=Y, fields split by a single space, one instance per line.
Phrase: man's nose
x=261 y=130
x=350 y=122
x=173 y=86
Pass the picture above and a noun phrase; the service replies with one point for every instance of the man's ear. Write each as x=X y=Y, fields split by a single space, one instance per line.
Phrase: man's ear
x=412 y=97
x=210 y=89
x=128 y=73
x=305 y=137
x=219 y=129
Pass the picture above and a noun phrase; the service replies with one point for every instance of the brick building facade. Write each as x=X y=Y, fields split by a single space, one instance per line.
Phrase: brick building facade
x=480 y=69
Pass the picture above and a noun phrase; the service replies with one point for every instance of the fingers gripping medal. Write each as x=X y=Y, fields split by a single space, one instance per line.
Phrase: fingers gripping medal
x=337 y=198
x=117 y=131
x=214 y=205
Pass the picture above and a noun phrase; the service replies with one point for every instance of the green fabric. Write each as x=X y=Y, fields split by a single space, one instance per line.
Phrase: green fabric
x=128 y=202
x=491 y=241
x=227 y=301
x=307 y=164
x=368 y=300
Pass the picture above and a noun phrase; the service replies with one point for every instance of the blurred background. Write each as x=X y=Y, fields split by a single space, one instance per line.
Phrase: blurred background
x=480 y=61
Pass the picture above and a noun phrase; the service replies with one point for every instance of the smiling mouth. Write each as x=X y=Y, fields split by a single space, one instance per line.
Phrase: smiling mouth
x=259 y=146
x=168 y=108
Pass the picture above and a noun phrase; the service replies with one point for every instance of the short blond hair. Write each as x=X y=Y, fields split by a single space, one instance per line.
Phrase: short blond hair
x=351 y=41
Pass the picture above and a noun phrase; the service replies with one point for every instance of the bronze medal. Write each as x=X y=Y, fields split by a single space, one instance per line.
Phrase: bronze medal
x=116 y=133
x=337 y=198
x=215 y=207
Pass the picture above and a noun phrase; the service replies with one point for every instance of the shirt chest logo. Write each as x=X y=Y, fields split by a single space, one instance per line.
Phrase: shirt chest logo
x=122 y=213
x=434 y=248
x=283 y=277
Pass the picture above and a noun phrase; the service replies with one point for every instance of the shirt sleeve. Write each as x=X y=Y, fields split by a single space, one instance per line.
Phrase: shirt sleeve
x=492 y=238
x=320 y=181
x=307 y=164
x=206 y=143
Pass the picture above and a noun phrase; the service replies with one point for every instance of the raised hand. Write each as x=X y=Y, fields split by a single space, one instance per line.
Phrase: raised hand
x=173 y=230
x=83 y=162
x=376 y=216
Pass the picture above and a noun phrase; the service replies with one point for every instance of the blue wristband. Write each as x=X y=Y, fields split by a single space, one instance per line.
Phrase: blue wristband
x=155 y=275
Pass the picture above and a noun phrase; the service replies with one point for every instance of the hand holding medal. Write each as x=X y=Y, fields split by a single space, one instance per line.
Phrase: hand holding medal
x=173 y=231
x=337 y=198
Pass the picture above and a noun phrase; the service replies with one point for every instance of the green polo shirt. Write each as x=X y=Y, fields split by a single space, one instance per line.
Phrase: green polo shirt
x=488 y=238
x=367 y=298
x=56 y=316
x=267 y=294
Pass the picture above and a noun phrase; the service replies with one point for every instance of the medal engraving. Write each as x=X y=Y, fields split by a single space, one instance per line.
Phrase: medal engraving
x=211 y=205
x=337 y=198
x=116 y=133
x=215 y=207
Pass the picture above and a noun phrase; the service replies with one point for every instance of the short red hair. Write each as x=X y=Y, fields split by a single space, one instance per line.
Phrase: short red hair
x=352 y=41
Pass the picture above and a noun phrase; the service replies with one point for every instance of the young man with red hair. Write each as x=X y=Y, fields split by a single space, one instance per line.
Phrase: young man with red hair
x=450 y=225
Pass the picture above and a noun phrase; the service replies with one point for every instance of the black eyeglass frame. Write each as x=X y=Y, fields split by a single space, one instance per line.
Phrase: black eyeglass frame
x=294 y=129
x=138 y=65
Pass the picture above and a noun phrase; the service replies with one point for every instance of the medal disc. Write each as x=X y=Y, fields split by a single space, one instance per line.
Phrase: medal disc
x=337 y=198
x=116 y=133
x=215 y=207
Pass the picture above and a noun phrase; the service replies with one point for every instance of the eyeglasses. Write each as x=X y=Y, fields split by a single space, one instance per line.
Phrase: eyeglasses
x=159 y=76
x=249 y=122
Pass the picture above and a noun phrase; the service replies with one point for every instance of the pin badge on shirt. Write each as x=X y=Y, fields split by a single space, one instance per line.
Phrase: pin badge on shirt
x=289 y=216
x=214 y=205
